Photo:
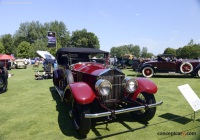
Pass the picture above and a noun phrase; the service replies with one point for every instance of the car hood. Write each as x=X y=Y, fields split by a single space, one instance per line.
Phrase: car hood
x=96 y=69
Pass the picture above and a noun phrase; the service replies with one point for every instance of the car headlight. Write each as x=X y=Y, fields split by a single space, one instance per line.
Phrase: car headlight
x=103 y=87
x=130 y=84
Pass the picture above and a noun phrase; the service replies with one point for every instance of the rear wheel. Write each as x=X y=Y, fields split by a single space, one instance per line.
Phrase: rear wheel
x=198 y=73
x=147 y=72
x=145 y=115
x=81 y=124
x=186 y=68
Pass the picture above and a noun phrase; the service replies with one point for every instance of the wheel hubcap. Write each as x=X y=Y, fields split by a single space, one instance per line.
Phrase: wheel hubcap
x=147 y=72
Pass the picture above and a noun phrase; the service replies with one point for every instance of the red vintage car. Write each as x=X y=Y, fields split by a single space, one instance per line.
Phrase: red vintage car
x=169 y=64
x=94 y=90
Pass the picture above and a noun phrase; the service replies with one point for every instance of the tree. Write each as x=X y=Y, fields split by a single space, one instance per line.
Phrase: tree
x=179 y=52
x=38 y=45
x=119 y=51
x=189 y=51
x=191 y=42
x=125 y=49
x=7 y=42
x=23 y=50
x=144 y=52
x=36 y=34
x=113 y=51
x=170 y=51
x=84 y=39
x=62 y=33
x=2 y=49
x=149 y=55
x=134 y=50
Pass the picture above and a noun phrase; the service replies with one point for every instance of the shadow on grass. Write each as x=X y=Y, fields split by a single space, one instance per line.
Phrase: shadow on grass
x=64 y=121
x=66 y=125
x=100 y=124
x=176 y=118
x=124 y=118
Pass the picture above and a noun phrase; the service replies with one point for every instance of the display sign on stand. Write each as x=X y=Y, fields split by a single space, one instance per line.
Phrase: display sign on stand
x=191 y=97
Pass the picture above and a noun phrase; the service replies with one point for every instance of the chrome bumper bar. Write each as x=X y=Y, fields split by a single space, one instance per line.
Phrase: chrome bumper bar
x=103 y=114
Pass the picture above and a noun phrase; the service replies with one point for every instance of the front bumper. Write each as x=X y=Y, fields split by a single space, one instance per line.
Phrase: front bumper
x=20 y=66
x=103 y=114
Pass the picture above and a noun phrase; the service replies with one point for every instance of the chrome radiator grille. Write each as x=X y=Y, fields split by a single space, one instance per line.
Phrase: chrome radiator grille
x=117 y=89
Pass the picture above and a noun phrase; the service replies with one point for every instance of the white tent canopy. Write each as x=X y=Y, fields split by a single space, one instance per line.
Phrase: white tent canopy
x=45 y=55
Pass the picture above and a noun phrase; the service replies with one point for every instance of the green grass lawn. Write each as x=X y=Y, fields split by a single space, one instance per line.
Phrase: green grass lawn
x=31 y=109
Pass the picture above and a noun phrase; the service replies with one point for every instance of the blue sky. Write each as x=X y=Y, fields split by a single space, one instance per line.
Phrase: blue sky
x=155 y=24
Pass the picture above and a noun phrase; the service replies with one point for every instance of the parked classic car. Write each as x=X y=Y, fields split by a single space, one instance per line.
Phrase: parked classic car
x=94 y=90
x=169 y=64
x=3 y=78
x=20 y=63
x=137 y=62
x=124 y=63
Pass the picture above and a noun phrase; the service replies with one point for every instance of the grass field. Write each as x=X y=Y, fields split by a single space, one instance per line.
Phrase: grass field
x=31 y=110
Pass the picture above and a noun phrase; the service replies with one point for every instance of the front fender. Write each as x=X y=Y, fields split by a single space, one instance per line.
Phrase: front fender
x=196 y=69
x=145 y=85
x=81 y=92
x=142 y=66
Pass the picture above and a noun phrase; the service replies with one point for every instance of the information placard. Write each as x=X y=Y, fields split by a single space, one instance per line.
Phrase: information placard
x=190 y=96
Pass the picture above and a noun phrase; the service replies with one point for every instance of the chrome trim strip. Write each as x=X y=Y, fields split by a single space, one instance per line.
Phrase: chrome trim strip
x=106 y=70
x=103 y=114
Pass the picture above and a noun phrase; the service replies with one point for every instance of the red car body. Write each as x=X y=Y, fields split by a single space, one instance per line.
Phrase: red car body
x=94 y=90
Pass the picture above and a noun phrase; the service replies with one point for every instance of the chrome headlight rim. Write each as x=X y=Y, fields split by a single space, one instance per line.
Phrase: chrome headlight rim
x=130 y=85
x=103 y=87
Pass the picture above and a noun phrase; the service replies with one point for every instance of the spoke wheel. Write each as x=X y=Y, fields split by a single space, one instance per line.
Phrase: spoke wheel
x=145 y=115
x=81 y=124
x=186 y=68
x=147 y=72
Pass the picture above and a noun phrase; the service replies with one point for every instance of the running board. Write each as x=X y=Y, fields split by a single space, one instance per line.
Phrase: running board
x=126 y=110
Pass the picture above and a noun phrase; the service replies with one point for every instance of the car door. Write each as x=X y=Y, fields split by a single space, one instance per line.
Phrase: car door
x=164 y=66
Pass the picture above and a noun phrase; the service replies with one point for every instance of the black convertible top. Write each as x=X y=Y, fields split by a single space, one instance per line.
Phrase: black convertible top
x=74 y=55
x=81 y=50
